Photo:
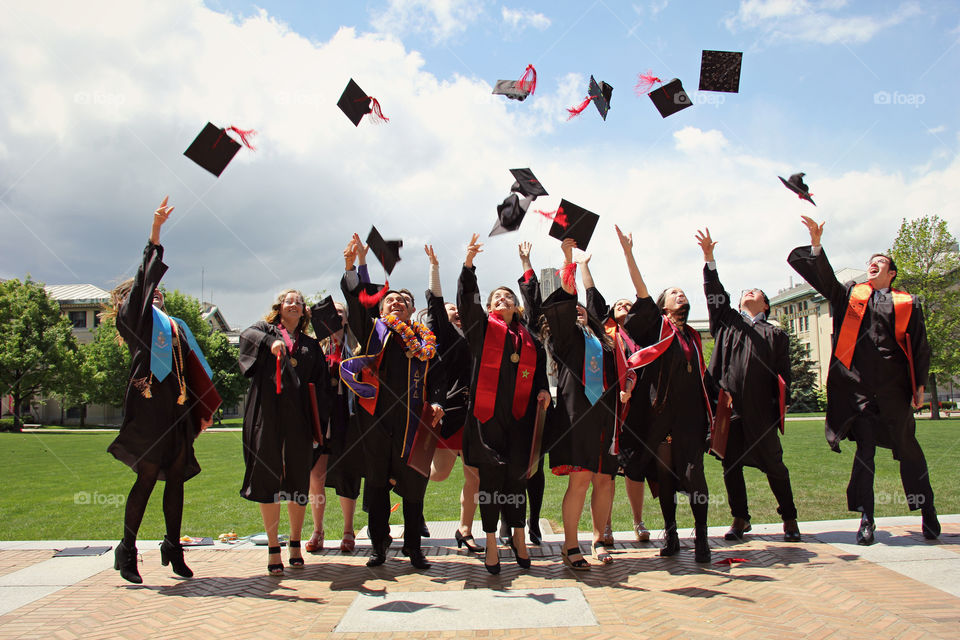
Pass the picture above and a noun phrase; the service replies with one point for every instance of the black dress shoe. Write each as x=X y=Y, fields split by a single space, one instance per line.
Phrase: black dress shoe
x=379 y=554
x=424 y=532
x=791 y=531
x=125 y=560
x=931 y=525
x=172 y=553
x=536 y=538
x=673 y=542
x=739 y=527
x=701 y=545
x=416 y=558
x=468 y=541
x=865 y=532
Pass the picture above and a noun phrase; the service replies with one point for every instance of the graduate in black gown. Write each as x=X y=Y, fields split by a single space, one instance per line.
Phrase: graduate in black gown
x=878 y=370
x=587 y=412
x=750 y=360
x=671 y=396
x=285 y=367
x=391 y=375
x=510 y=380
x=156 y=437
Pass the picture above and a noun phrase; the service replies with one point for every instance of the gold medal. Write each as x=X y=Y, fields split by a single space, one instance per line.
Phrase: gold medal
x=293 y=361
x=514 y=358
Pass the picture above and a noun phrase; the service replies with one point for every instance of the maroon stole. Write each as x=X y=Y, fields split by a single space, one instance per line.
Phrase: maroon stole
x=489 y=372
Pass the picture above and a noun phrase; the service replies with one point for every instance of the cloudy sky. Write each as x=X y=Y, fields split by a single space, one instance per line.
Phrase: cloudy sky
x=99 y=100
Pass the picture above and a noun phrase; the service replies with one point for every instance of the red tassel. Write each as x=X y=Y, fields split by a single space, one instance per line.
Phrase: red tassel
x=645 y=82
x=730 y=561
x=526 y=83
x=568 y=276
x=557 y=216
x=577 y=110
x=279 y=387
x=376 y=111
x=368 y=300
x=243 y=136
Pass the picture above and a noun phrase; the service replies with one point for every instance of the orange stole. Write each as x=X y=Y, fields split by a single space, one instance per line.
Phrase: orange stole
x=853 y=317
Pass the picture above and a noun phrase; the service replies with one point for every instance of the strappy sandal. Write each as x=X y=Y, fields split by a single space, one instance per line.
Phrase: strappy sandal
x=296 y=563
x=576 y=565
x=643 y=534
x=607 y=538
x=315 y=543
x=274 y=569
x=600 y=552
x=348 y=543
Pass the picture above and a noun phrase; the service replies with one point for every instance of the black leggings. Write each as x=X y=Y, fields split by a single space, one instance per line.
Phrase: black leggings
x=147 y=473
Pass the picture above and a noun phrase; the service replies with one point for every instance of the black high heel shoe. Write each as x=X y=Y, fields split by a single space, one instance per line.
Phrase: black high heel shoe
x=172 y=553
x=493 y=569
x=467 y=541
x=125 y=561
x=296 y=563
x=673 y=542
x=275 y=569
x=534 y=533
x=524 y=563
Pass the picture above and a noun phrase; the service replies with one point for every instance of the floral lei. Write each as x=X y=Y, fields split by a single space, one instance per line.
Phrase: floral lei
x=418 y=340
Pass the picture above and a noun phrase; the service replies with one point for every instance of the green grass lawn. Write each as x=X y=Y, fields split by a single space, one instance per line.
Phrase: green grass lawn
x=64 y=485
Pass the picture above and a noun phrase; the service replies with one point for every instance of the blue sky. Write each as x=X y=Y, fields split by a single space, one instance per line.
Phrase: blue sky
x=100 y=100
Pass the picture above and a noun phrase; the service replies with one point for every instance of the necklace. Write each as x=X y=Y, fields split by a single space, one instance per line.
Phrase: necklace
x=419 y=342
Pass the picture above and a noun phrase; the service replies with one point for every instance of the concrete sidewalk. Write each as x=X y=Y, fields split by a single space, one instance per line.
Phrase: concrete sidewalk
x=825 y=586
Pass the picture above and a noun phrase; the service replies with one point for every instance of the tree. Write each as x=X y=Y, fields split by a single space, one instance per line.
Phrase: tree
x=803 y=377
x=106 y=366
x=34 y=342
x=928 y=266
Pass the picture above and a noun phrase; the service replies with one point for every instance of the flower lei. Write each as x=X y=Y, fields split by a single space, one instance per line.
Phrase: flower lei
x=419 y=342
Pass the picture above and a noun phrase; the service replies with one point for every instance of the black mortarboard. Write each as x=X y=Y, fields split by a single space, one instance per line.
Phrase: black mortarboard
x=527 y=183
x=510 y=214
x=386 y=251
x=720 y=71
x=509 y=88
x=795 y=184
x=325 y=319
x=601 y=94
x=213 y=149
x=355 y=103
x=670 y=98
x=574 y=222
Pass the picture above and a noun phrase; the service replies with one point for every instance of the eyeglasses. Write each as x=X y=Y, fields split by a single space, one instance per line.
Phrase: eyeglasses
x=878 y=261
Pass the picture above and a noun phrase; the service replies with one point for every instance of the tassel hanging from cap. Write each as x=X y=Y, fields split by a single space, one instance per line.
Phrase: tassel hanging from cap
x=557 y=216
x=377 y=111
x=244 y=134
x=368 y=300
x=645 y=82
x=528 y=82
x=577 y=110
x=568 y=276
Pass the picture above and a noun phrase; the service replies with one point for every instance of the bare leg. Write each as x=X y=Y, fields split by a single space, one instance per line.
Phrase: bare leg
x=318 y=502
x=613 y=490
x=572 y=508
x=271 y=523
x=520 y=543
x=349 y=507
x=635 y=492
x=492 y=553
x=296 y=512
x=468 y=499
x=601 y=503
x=442 y=464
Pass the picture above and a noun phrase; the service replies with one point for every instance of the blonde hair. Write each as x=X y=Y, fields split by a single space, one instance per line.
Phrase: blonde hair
x=273 y=316
x=117 y=296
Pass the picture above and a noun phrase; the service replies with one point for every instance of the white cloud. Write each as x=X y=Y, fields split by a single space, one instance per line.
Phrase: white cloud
x=519 y=19
x=440 y=19
x=938 y=129
x=692 y=140
x=809 y=21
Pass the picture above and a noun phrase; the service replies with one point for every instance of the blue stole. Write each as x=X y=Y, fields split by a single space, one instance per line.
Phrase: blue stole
x=161 y=346
x=592 y=367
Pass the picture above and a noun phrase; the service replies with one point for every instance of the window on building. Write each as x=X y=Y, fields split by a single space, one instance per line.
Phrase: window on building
x=96 y=319
x=806 y=323
x=78 y=319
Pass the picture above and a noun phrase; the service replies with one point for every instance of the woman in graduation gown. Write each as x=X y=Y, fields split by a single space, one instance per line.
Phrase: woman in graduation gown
x=510 y=380
x=674 y=408
x=285 y=366
x=156 y=437
x=588 y=406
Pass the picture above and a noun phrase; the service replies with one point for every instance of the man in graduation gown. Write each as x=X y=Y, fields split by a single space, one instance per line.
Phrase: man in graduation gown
x=392 y=384
x=751 y=363
x=878 y=369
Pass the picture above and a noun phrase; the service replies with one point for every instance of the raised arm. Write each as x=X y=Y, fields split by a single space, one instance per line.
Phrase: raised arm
x=473 y=319
x=529 y=286
x=626 y=242
x=135 y=310
x=568 y=283
x=718 y=300
x=359 y=317
x=812 y=265
x=584 y=262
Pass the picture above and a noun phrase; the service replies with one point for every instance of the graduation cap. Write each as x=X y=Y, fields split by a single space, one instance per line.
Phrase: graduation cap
x=670 y=98
x=518 y=89
x=527 y=183
x=720 y=71
x=571 y=221
x=325 y=319
x=213 y=149
x=795 y=184
x=386 y=251
x=599 y=93
x=355 y=103
x=510 y=214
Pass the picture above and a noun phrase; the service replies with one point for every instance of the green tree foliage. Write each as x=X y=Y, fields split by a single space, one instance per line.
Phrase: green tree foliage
x=35 y=342
x=106 y=366
x=929 y=267
x=804 y=394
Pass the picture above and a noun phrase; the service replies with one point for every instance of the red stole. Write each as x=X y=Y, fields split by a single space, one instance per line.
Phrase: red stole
x=489 y=372
x=853 y=317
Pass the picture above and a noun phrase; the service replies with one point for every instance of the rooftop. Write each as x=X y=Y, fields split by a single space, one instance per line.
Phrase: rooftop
x=77 y=293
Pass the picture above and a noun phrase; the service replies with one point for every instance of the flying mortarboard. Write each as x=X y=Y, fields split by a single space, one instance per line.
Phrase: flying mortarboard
x=387 y=252
x=510 y=214
x=213 y=149
x=355 y=103
x=325 y=319
x=670 y=98
x=795 y=184
x=571 y=221
x=598 y=93
x=720 y=71
x=527 y=183
x=518 y=89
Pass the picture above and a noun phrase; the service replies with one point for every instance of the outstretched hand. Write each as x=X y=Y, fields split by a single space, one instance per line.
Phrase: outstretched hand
x=524 y=250
x=473 y=249
x=159 y=217
x=706 y=244
x=567 y=246
x=428 y=249
x=350 y=253
x=816 y=230
x=583 y=259
x=626 y=241
x=361 y=249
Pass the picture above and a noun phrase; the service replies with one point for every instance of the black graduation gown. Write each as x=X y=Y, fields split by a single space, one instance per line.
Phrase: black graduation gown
x=342 y=437
x=877 y=384
x=501 y=440
x=154 y=429
x=278 y=429
x=747 y=358
x=382 y=434
x=454 y=365
x=669 y=400
x=583 y=431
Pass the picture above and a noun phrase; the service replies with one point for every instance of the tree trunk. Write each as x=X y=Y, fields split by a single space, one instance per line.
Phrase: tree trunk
x=83 y=414
x=17 y=400
x=934 y=402
x=63 y=411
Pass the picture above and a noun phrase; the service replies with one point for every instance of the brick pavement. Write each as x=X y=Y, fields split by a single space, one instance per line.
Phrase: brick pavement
x=811 y=589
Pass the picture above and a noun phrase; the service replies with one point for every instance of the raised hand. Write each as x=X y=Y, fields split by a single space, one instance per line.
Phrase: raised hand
x=626 y=241
x=159 y=217
x=473 y=249
x=524 y=249
x=816 y=230
x=361 y=249
x=428 y=249
x=567 y=246
x=583 y=259
x=706 y=244
x=350 y=253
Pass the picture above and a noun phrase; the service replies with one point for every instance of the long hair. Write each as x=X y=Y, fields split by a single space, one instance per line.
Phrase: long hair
x=117 y=297
x=516 y=300
x=273 y=316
